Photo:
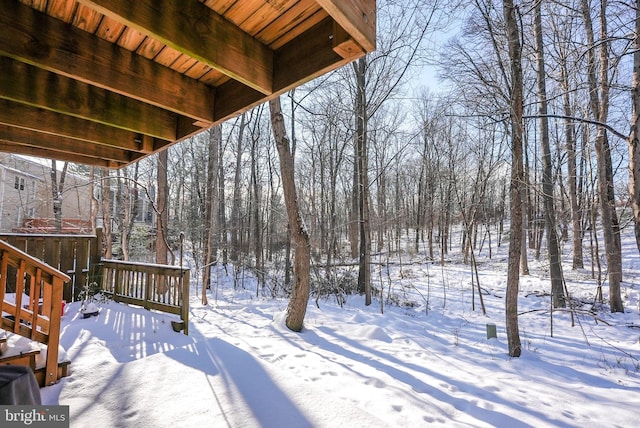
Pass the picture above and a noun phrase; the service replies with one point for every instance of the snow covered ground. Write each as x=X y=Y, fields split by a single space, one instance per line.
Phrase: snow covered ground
x=426 y=364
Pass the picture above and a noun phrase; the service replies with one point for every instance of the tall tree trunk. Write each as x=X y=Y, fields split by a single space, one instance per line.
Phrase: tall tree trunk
x=57 y=187
x=634 y=137
x=162 y=220
x=355 y=197
x=364 y=255
x=123 y=199
x=129 y=208
x=517 y=178
x=297 y=307
x=93 y=214
x=257 y=219
x=211 y=209
x=222 y=220
x=553 y=246
x=572 y=170
x=528 y=205
x=600 y=110
x=382 y=208
x=235 y=204
x=106 y=213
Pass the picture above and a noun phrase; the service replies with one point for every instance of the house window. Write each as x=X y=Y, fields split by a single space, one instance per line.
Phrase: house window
x=32 y=192
x=19 y=183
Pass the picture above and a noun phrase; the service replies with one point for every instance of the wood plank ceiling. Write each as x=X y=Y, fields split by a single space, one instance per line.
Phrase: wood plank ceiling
x=107 y=82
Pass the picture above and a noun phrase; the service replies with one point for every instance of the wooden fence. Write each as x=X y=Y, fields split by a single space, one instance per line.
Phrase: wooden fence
x=160 y=287
x=74 y=255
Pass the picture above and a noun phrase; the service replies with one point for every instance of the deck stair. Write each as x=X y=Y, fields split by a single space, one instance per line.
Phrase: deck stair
x=30 y=314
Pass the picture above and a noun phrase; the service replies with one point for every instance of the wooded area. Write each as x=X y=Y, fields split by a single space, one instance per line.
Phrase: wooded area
x=524 y=143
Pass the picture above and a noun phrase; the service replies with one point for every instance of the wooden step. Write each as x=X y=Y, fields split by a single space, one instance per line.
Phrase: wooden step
x=27 y=358
x=64 y=370
x=19 y=351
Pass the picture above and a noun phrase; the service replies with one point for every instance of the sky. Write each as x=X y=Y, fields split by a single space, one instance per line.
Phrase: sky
x=425 y=361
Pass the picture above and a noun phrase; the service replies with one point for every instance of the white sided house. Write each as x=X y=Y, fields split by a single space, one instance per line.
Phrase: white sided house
x=26 y=199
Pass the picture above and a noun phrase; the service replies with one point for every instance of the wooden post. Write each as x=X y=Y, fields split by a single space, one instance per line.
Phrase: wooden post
x=491 y=331
x=4 y=267
x=19 y=294
x=51 y=371
x=185 y=299
x=148 y=283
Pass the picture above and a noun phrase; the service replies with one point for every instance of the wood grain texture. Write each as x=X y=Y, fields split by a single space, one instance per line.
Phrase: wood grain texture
x=197 y=31
x=50 y=44
x=37 y=119
x=357 y=17
x=26 y=84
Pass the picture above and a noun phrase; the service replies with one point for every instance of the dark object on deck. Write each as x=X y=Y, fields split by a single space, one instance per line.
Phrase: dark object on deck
x=177 y=326
x=18 y=385
x=90 y=310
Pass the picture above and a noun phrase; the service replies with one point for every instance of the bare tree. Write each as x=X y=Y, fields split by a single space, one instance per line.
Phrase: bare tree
x=376 y=77
x=211 y=208
x=517 y=178
x=634 y=137
x=562 y=44
x=162 y=223
x=128 y=191
x=297 y=307
x=106 y=212
x=237 y=198
x=599 y=88
x=553 y=246
x=57 y=188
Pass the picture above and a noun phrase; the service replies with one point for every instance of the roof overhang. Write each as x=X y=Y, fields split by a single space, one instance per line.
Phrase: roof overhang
x=107 y=82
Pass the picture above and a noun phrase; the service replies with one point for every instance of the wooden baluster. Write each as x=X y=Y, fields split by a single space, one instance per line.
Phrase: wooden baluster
x=34 y=297
x=4 y=265
x=19 y=293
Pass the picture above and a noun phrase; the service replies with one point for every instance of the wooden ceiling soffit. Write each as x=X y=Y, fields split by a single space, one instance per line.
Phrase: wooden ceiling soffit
x=194 y=29
x=73 y=95
x=49 y=122
x=293 y=65
x=26 y=84
x=50 y=44
x=58 y=147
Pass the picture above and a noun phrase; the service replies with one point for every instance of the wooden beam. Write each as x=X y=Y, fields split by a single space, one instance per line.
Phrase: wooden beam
x=63 y=156
x=24 y=116
x=35 y=38
x=293 y=66
x=343 y=44
x=194 y=29
x=55 y=143
x=357 y=17
x=187 y=129
x=235 y=98
x=33 y=86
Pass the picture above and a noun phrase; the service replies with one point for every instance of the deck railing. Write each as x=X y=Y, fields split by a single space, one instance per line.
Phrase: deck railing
x=75 y=255
x=160 y=287
x=35 y=309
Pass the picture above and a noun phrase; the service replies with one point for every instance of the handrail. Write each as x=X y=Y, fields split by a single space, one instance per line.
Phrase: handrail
x=39 y=318
x=161 y=287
